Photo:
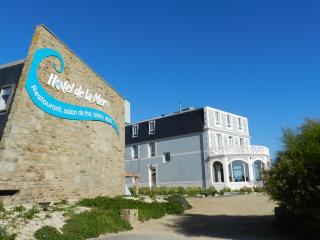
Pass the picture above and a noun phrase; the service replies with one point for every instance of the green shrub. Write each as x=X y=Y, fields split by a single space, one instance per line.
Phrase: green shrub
x=226 y=189
x=176 y=204
x=146 y=210
x=30 y=213
x=48 y=233
x=246 y=190
x=294 y=179
x=19 y=208
x=91 y=224
x=211 y=191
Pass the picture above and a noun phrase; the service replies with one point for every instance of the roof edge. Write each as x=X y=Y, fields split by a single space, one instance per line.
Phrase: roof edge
x=46 y=28
x=10 y=64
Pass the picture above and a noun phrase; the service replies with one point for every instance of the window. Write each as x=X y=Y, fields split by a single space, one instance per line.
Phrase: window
x=238 y=171
x=219 y=140
x=241 y=142
x=5 y=94
x=217 y=117
x=152 y=127
x=135 y=152
x=228 y=120
x=230 y=141
x=135 y=129
x=258 y=167
x=166 y=157
x=240 y=127
x=152 y=149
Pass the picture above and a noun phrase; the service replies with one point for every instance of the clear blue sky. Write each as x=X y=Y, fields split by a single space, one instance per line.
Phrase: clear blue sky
x=260 y=59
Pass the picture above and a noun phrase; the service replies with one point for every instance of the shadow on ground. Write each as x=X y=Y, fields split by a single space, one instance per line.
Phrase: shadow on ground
x=225 y=226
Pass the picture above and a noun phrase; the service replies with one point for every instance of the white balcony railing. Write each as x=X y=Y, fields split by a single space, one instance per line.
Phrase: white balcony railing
x=252 y=149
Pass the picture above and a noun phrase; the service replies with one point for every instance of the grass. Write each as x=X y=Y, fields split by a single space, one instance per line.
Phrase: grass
x=93 y=223
x=105 y=217
x=5 y=236
x=146 y=210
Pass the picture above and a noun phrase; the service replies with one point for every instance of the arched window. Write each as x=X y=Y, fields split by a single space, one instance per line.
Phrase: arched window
x=258 y=167
x=238 y=171
x=217 y=172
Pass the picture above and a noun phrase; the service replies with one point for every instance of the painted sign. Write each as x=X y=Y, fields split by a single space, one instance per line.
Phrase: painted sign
x=56 y=107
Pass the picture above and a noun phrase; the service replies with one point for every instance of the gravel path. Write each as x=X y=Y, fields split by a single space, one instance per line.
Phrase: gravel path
x=248 y=216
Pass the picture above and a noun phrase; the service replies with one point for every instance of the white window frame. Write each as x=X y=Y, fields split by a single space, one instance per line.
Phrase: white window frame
x=7 y=104
x=217 y=118
x=217 y=140
x=240 y=124
x=133 y=153
x=229 y=124
x=149 y=149
x=135 y=133
x=154 y=127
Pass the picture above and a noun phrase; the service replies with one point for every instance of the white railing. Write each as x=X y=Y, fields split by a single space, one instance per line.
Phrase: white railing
x=252 y=149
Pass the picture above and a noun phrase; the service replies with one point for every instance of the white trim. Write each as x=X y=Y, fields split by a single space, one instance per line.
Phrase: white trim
x=231 y=124
x=155 y=149
x=228 y=131
x=132 y=152
x=154 y=127
x=219 y=124
x=135 y=133
x=168 y=138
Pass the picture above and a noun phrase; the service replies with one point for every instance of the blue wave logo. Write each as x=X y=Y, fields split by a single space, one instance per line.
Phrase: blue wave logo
x=53 y=106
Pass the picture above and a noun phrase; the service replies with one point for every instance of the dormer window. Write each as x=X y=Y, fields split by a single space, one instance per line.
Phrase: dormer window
x=135 y=129
x=152 y=127
x=5 y=95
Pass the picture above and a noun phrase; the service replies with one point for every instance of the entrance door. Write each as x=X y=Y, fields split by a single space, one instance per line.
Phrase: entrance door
x=153 y=176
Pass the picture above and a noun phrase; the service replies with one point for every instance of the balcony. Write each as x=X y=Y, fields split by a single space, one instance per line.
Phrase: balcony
x=252 y=149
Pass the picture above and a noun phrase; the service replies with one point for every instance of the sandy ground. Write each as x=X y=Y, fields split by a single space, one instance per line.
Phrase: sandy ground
x=248 y=216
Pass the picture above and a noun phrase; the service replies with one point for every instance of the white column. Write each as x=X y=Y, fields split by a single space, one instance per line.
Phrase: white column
x=225 y=171
x=250 y=170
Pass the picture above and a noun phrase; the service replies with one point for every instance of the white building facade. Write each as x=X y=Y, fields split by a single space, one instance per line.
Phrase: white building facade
x=231 y=159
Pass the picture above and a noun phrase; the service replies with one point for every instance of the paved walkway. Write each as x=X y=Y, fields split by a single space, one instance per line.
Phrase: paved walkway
x=229 y=217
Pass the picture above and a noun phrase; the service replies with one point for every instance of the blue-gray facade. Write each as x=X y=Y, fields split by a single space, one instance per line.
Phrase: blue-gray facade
x=196 y=147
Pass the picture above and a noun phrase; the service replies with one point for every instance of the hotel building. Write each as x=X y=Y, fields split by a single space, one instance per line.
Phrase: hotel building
x=195 y=147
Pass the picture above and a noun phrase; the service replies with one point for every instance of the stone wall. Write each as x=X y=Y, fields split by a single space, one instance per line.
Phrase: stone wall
x=48 y=158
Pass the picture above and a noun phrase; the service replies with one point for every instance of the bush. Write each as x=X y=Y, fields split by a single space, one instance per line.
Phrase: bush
x=91 y=224
x=189 y=191
x=30 y=213
x=211 y=191
x=246 y=190
x=176 y=204
x=48 y=233
x=294 y=179
x=146 y=210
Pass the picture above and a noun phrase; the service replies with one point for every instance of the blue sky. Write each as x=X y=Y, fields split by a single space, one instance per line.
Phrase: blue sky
x=260 y=59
